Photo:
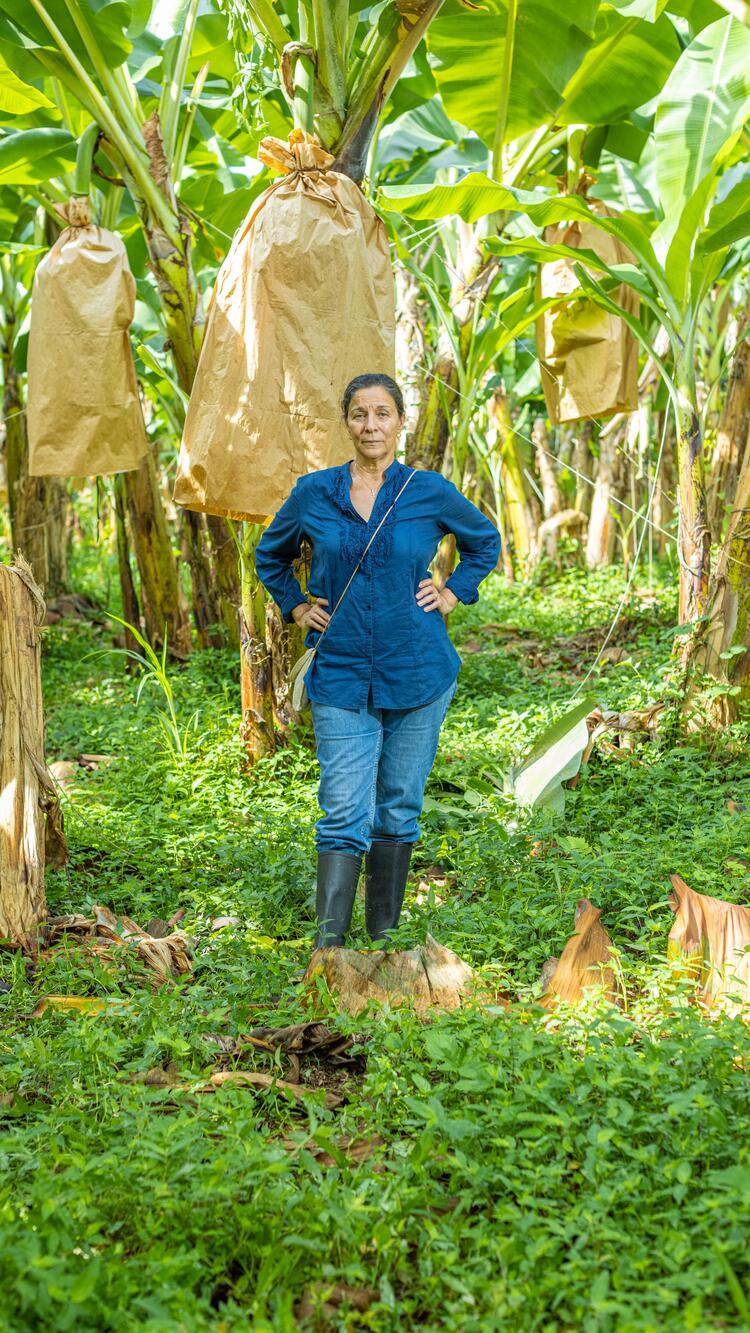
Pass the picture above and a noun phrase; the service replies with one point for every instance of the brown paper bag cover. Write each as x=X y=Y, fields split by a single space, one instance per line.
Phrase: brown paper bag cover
x=588 y=357
x=84 y=413
x=302 y=303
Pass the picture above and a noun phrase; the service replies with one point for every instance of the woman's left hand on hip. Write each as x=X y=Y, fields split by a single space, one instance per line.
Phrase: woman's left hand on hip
x=432 y=598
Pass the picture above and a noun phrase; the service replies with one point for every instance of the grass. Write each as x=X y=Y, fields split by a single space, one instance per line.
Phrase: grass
x=586 y=1172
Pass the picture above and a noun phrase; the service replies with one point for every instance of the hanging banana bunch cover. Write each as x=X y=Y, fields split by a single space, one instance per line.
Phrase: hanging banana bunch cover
x=302 y=303
x=588 y=356
x=84 y=413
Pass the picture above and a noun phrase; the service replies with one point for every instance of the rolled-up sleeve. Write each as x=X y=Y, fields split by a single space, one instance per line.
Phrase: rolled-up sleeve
x=477 y=539
x=275 y=554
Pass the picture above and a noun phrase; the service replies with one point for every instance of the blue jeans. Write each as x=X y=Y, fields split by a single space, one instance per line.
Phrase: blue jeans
x=374 y=764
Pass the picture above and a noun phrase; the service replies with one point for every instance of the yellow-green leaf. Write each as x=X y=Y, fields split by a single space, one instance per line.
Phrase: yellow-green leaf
x=16 y=97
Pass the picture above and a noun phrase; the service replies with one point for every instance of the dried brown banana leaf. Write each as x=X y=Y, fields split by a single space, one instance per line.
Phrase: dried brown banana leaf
x=584 y=962
x=713 y=938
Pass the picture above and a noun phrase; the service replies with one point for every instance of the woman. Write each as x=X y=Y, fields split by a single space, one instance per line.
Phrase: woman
x=386 y=671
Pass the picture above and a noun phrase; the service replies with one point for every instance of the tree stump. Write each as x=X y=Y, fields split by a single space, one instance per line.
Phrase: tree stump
x=431 y=977
x=24 y=782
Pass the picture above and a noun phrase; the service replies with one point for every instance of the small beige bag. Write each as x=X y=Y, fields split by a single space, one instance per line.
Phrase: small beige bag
x=84 y=413
x=300 y=700
x=588 y=357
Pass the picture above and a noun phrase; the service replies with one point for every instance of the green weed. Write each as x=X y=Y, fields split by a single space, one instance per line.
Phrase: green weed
x=586 y=1172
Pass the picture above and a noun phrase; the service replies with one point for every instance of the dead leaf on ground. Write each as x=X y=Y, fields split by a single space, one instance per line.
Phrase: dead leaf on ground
x=353 y=1150
x=161 y=1076
x=313 y=1039
x=158 y=928
x=77 y=1004
x=64 y=772
x=254 y=1078
x=322 y=1302
x=105 y=936
x=713 y=939
x=583 y=963
x=430 y=977
x=91 y=761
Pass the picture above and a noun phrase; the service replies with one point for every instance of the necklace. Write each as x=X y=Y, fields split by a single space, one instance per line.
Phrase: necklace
x=361 y=472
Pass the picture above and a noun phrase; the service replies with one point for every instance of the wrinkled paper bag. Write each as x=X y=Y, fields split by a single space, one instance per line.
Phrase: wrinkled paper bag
x=84 y=413
x=302 y=303
x=588 y=357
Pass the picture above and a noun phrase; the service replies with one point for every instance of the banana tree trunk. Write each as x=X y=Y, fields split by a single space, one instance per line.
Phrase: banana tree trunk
x=22 y=770
x=522 y=518
x=410 y=349
x=428 y=444
x=582 y=461
x=732 y=435
x=130 y=609
x=38 y=505
x=664 y=494
x=164 y=609
x=552 y=503
x=256 y=674
x=720 y=647
x=600 y=544
x=695 y=536
x=182 y=311
x=227 y=573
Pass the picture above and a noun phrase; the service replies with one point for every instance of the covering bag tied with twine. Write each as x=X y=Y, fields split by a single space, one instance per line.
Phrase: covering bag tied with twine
x=303 y=302
x=84 y=413
x=588 y=357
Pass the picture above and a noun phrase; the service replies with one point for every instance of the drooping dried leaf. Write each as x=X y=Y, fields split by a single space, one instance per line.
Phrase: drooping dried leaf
x=713 y=938
x=105 y=936
x=625 y=726
x=584 y=962
x=430 y=977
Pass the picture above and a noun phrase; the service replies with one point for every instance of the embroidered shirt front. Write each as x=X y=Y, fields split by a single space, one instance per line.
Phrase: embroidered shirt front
x=381 y=647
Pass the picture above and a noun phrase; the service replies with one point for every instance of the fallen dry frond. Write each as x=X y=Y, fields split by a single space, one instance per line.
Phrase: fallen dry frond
x=584 y=962
x=253 y=1078
x=106 y=937
x=713 y=939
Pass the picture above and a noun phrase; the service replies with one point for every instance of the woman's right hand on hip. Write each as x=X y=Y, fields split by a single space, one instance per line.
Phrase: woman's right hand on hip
x=312 y=616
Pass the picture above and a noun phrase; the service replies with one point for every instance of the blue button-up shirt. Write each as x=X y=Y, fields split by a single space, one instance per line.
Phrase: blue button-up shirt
x=381 y=648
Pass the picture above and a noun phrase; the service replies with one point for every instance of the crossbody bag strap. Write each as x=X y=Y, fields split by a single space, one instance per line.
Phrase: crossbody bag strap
x=361 y=558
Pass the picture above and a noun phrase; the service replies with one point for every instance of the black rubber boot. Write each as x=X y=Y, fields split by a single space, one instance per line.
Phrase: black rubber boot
x=338 y=873
x=387 y=869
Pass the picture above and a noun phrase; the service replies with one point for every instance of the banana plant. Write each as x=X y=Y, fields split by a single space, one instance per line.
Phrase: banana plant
x=84 y=52
x=524 y=74
x=330 y=65
x=700 y=118
x=134 y=103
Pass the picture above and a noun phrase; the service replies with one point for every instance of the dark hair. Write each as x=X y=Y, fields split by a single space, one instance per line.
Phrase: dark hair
x=372 y=381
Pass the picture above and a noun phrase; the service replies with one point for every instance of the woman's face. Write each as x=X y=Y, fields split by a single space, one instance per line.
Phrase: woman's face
x=374 y=424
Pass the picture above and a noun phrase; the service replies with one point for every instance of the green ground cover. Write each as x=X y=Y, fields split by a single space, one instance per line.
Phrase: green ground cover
x=589 y=1172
